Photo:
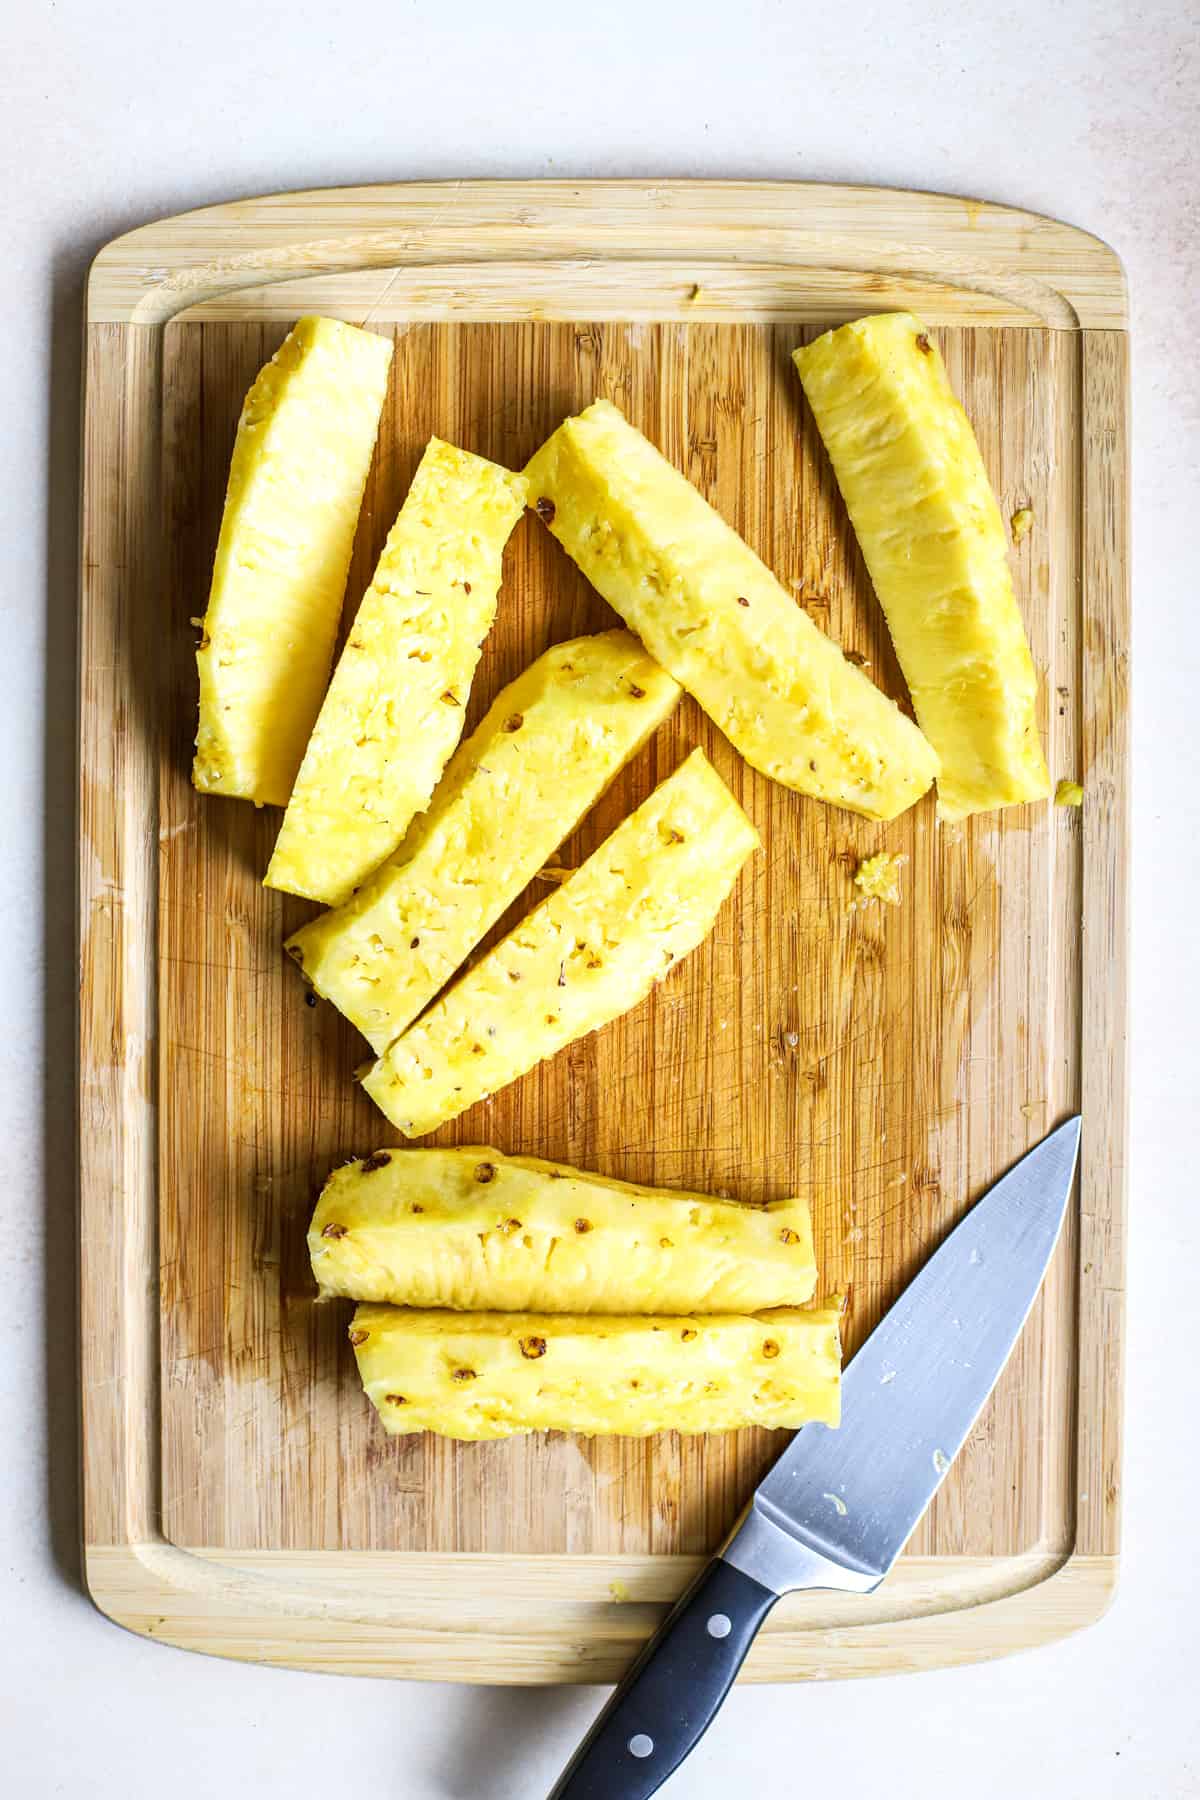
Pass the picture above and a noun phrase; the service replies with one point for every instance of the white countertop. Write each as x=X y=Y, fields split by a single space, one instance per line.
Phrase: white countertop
x=115 y=113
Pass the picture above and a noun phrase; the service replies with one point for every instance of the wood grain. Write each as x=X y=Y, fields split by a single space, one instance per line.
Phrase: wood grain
x=889 y=1064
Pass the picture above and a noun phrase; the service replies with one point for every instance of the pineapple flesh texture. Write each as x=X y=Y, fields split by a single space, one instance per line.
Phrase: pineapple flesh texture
x=547 y=748
x=717 y=619
x=396 y=705
x=300 y=460
x=595 y=948
x=492 y=1375
x=471 y=1229
x=909 y=468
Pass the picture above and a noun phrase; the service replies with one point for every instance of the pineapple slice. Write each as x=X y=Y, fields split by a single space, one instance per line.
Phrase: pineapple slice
x=549 y=745
x=492 y=1375
x=712 y=614
x=589 y=952
x=300 y=460
x=396 y=705
x=918 y=496
x=471 y=1228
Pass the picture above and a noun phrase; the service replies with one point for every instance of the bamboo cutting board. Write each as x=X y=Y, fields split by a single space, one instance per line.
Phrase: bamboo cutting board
x=239 y=1495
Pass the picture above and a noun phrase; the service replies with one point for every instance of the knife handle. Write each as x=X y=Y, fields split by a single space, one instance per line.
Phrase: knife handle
x=672 y=1693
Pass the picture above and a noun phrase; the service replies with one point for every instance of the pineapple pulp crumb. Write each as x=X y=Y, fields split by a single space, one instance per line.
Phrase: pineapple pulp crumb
x=618 y=1590
x=1021 y=523
x=1068 y=793
x=878 y=877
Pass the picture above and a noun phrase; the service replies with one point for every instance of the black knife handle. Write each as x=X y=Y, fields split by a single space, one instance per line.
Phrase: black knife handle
x=672 y=1693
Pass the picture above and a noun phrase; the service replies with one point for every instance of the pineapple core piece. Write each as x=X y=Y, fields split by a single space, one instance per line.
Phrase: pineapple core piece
x=300 y=460
x=878 y=877
x=491 y=1375
x=470 y=1228
x=589 y=952
x=918 y=496
x=548 y=746
x=713 y=615
x=396 y=704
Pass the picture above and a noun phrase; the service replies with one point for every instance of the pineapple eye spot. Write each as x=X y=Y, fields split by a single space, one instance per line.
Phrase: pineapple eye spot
x=414 y=943
x=770 y=1348
x=924 y=345
x=637 y=692
x=485 y=1171
x=742 y=600
x=510 y=1226
x=665 y=1244
x=463 y=1375
x=545 y=509
x=416 y=1207
x=515 y=723
x=334 y=1231
x=357 y=1335
x=635 y=1383
x=788 y=1236
x=533 y=1347
x=379 y=1160
x=687 y=1334
x=582 y=1225
x=450 y=698
x=395 y=1399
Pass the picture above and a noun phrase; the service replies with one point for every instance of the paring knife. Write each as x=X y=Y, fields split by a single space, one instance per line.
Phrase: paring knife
x=839 y=1505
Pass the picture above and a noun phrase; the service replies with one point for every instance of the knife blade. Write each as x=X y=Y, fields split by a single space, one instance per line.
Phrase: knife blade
x=855 y=1494
x=838 y=1506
